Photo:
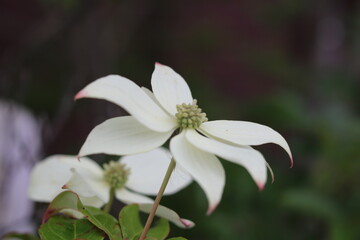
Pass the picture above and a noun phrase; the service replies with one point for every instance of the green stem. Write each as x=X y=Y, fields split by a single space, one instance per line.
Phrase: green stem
x=110 y=202
x=157 y=199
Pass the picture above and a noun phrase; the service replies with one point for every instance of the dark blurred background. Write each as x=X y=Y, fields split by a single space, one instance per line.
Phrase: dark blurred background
x=292 y=65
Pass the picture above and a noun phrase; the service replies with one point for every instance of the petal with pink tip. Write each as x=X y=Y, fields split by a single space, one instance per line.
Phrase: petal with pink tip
x=204 y=167
x=170 y=88
x=122 y=136
x=168 y=214
x=127 y=94
x=147 y=171
x=252 y=160
x=244 y=133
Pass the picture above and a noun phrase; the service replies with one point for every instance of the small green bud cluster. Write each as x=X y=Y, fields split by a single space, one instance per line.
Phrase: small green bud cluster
x=115 y=174
x=190 y=115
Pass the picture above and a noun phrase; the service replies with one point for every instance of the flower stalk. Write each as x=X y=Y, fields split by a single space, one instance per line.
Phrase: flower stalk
x=157 y=199
x=108 y=205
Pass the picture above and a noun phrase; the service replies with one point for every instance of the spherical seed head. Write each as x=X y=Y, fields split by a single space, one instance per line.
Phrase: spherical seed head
x=190 y=115
x=115 y=174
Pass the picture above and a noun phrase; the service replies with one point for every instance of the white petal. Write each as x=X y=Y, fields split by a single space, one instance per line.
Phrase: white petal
x=244 y=133
x=129 y=197
x=147 y=171
x=49 y=176
x=204 y=167
x=169 y=88
x=245 y=156
x=121 y=136
x=151 y=95
x=91 y=189
x=73 y=213
x=168 y=214
x=92 y=201
x=127 y=94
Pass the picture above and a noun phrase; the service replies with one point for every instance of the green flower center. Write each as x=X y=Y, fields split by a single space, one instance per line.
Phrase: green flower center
x=190 y=115
x=115 y=174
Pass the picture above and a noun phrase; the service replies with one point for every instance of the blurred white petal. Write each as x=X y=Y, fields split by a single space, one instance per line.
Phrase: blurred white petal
x=168 y=214
x=91 y=189
x=49 y=176
x=147 y=171
x=129 y=197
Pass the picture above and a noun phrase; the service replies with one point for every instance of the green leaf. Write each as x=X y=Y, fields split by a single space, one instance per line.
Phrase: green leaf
x=64 y=200
x=177 y=238
x=132 y=227
x=159 y=231
x=70 y=200
x=130 y=221
x=18 y=236
x=102 y=220
x=61 y=227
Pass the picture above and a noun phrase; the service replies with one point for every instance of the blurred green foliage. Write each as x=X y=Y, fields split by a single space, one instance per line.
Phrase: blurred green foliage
x=254 y=61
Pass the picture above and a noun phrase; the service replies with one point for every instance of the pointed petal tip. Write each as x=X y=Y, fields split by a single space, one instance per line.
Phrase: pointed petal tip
x=79 y=95
x=211 y=209
x=291 y=162
x=158 y=64
x=260 y=185
x=186 y=223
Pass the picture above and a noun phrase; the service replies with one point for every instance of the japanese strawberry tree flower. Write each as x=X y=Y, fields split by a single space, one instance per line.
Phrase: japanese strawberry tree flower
x=155 y=116
x=77 y=187
x=128 y=179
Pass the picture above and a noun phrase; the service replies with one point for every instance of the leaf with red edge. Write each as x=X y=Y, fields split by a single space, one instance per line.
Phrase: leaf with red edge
x=64 y=200
x=68 y=200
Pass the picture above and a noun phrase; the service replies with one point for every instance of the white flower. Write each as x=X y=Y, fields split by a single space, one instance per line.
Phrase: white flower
x=132 y=176
x=156 y=115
